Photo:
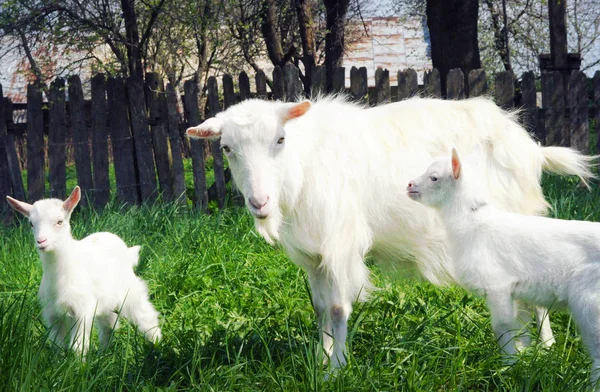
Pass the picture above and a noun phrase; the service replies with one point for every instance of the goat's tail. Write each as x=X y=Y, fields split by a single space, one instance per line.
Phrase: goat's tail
x=133 y=255
x=569 y=162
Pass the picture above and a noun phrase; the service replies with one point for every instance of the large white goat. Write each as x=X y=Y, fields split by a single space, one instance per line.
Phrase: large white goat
x=327 y=180
x=505 y=256
x=86 y=281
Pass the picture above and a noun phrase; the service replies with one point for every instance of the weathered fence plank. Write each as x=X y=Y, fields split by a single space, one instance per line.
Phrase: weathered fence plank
x=14 y=169
x=121 y=141
x=292 y=86
x=359 y=86
x=455 y=84
x=432 y=84
x=596 y=86
x=383 y=92
x=35 y=143
x=476 y=83
x=408 y=85
x=505 y=89
x=228 y=92
x=192 y=114
x=553 y=93
x=578 y=105
x=244 y=83
x=177 y=169
x=339 y=80
x=278 y=89
x=100 y=141
x=157 y=119
x=5 y=186
x=218 y=164
x=81 y=139
x=319 y=82
x=56 y=139
x=142 y=139
x=261 y=85
x=529 y=105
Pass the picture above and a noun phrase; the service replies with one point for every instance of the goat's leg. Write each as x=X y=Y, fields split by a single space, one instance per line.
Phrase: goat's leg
x=141 y=312
x=583 y=303
x=504 y=319
x=542 y=317
x=106 y=325
x=81 y=333
x=319 y=286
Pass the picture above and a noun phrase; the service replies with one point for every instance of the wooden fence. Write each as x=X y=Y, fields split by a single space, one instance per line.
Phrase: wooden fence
x=149 y=161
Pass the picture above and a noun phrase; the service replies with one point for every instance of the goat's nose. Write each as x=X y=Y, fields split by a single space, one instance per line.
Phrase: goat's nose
x=41 y=240
x=258 y=202
x=410 y=184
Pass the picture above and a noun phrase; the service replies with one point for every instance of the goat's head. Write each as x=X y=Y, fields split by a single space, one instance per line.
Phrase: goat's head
x=49 y=218
x=438 y=183
x=253 y=139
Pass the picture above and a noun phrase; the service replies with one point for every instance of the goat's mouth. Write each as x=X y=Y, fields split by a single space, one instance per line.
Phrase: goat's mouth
x=413 y=194
x=262 y=213
x=43 y=247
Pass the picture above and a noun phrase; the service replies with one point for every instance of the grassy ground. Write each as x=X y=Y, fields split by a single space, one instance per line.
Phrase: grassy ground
x=236 y=315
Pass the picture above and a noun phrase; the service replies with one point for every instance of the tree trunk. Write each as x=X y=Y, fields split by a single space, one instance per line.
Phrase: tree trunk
x=307 y=35
x=453 y=33
x=336 y=11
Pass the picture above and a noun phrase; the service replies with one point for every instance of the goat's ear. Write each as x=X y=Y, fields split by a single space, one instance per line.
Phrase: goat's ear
x=293 y=110
x=209 y=129
x=19 y=206
x=72 y=200
x=456 y=165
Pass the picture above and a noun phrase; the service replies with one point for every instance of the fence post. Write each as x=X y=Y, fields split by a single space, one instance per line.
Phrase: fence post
x=244 y=83
x=596 y=85
x=157 y=119
x=553 y=93
x=505 y=89
x=408 y=85
x=579 y=112
x=100 y=141
x=433 y=84
x=142 y=138
x=56 y=139
x=4 y=168
x=228 y=93
x=177 y=170
x=122 y=141
x=382 y=86
x=339 y=80
x=261 y=85
x=319 y=78
x=35 y=143
x=192 y=114
x=455 y=84
x=292 y=86
x=476 y=83
x=278 y=90
x=218 y=165
x=81 y=139
x=16 y=180
x=529 y=105
x=359 y=83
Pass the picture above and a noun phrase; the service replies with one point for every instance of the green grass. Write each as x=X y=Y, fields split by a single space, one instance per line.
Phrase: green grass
x=236 y=316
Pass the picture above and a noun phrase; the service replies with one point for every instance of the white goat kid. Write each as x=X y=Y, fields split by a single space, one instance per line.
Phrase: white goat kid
x=86 y=279
x=506 y=256
x=327 y=180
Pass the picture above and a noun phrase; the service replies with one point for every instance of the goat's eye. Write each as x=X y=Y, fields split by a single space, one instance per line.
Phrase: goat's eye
x=281 y=140
x=433 y=178
x=226 y=149
x=59 y=222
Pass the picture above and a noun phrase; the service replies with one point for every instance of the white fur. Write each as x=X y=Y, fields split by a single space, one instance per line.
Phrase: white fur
x=508 y=257
x=334 y=190
x=87 y=280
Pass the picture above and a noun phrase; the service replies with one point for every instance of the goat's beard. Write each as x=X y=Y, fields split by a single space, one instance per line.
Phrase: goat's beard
x=268 y=228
